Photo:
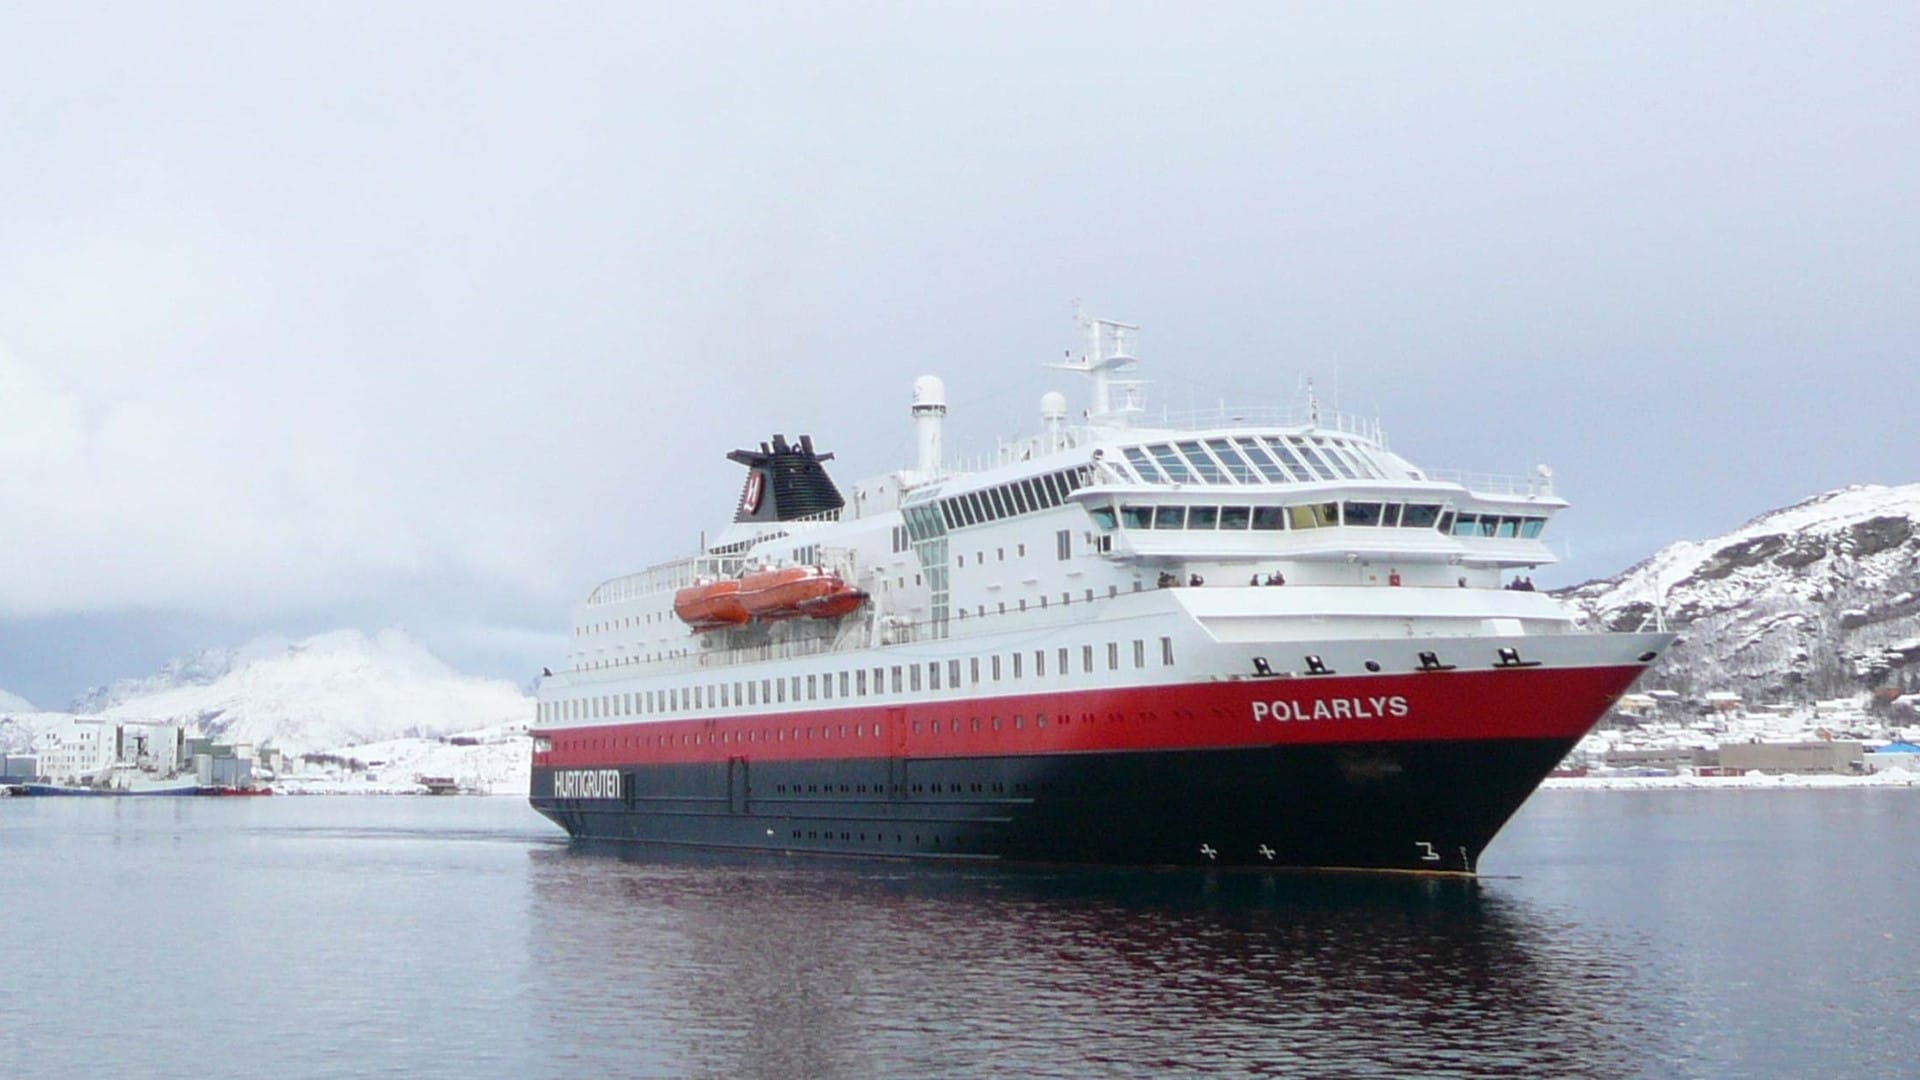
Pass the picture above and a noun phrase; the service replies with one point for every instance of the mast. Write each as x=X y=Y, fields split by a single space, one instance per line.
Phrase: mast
x=1116 y=399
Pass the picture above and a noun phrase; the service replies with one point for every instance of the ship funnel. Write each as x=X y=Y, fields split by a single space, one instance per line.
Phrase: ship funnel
x=929 y=417
x=785 y=481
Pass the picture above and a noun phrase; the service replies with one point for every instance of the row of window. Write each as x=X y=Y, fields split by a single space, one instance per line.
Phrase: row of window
x=1102 y=543
x=828 y=732
x=1006 y=500
x=858 y=683
x=1497 y=525
x=995 y=787
x=1250 y=459
x=1316 y=516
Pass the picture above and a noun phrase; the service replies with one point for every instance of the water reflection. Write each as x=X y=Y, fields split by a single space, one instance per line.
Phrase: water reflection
x=758 y=968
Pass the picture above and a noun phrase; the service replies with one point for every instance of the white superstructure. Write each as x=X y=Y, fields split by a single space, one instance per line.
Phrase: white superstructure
x=1111 y=551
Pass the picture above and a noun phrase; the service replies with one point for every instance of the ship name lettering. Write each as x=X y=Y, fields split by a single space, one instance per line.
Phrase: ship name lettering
x=1347 y=708
x=586 y=784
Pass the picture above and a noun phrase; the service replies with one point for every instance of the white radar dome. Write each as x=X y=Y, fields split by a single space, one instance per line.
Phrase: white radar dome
x=1053 y=405
x=929 y=391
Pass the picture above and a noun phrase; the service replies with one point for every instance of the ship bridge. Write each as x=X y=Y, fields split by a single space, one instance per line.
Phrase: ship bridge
x=1250 y=492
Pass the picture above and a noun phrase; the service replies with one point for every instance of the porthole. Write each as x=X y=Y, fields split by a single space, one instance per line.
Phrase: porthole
x=1372 y=665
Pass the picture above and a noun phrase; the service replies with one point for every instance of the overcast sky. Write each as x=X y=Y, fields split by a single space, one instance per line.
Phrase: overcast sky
x=436 y=315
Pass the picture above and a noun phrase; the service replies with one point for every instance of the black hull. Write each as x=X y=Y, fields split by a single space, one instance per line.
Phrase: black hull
x=1429 y=806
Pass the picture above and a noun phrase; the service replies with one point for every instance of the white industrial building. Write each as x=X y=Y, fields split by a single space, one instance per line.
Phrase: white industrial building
x=80 y=749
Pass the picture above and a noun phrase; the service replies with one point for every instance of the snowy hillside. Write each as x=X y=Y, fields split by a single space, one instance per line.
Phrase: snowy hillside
x=200 y=669
x=17 y=723
x=490 y=761
x=17 y=730
x=1820 y=598
x=333 y=690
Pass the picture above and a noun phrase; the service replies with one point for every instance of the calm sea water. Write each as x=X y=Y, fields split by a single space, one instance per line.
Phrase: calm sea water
x=1616 y=933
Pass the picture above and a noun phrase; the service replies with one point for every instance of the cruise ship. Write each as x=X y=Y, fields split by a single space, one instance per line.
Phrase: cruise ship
x=1251 y=638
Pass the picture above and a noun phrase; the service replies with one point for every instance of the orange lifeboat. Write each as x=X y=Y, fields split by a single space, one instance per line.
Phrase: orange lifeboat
x=843 y=601
x=791 y=591
x=710 y=605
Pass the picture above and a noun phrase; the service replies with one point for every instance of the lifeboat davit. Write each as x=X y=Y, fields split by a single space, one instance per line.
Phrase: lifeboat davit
x=710 y=605
x=794 y=591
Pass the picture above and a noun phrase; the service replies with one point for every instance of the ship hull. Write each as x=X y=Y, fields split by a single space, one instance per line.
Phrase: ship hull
x=1429 y=807
x=157 y=791
x=1418 y=776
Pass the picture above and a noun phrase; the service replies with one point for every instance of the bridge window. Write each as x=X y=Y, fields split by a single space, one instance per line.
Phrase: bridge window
x=1143 y=465
x=1251 y=449
x=1277 y=446
x=1202 y=517
x=1169 y=517
x=1333 y=453
x=1530 y=527
x=1313 y=515
x=1137 y=517
x=1363 y=513
x=1171 y=463
x=1237 y=466
x=1235 y=517
x=1269 y=517
x=1306 y=453
x=1103 y=516
x=1202 y=464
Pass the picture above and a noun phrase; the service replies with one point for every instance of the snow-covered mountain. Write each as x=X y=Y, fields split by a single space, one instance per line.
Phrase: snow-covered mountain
x=200 y=669
x=1819 y=599
x=338 y=689
x=18 y=722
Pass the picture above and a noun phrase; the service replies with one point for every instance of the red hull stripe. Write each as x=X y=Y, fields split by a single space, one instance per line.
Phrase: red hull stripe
x=1529 y=703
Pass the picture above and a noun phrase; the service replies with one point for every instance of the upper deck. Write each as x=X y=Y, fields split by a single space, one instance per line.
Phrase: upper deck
x=1085 y=513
